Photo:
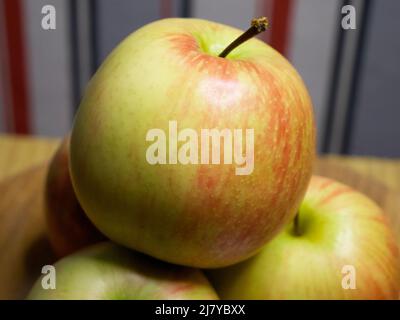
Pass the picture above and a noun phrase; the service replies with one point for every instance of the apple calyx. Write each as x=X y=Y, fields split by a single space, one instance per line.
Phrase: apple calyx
x=258 y=25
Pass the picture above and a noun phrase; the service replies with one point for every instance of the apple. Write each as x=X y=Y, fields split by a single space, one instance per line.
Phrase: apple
x=68 y=227
x=338 y=247
x=161 y=102
x=107 y=271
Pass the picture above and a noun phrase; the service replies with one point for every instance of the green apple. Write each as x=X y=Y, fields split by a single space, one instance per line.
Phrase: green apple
x=338 y=247
x=154 y=111
x=107 y=271
x=68 y=227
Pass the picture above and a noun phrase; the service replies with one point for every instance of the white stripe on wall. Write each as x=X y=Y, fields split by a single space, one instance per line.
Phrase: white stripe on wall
x=49 y=68
x=312 y=48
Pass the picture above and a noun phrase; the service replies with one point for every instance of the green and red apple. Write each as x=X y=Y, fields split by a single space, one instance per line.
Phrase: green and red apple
x=106 y=271
x=68 y=227
x=184 y=207
x=338 y=247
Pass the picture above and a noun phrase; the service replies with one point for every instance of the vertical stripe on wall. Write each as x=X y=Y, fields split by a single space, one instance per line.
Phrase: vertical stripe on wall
x=15 y=47
x=166 y=8
x=6 y=123
x=264 y=8
x=356 y=80
x=74 y=45
x=93 y=19
x=344 y=79
x=280 y=25
x=83 y=45
x=186 y=8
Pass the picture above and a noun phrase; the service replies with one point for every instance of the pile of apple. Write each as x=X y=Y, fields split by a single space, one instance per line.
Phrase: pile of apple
x=185 y=226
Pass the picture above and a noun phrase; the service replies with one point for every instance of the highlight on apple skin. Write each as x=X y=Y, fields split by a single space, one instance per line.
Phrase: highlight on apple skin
x=106 y=271
x=338 y=230
x=68 y=227
x=167 y=71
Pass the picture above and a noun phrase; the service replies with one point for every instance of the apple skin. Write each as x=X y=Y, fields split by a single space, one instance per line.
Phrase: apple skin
x=107 y=271
x=169 y=70
x=68 y=227
x=338 y=226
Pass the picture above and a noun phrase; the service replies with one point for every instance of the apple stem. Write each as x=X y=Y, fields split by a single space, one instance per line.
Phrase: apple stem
x=258 y=25
x=296 y=227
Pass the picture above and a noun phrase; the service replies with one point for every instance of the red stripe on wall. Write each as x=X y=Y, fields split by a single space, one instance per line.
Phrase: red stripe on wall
x=15 y=47
x=280 y=25
x=166 y=8
x=264 y=8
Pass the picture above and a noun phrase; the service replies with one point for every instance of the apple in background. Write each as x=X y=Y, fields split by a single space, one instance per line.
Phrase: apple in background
x=196 y=214
x=108 y=272
x=336 y=227
x=68 y=227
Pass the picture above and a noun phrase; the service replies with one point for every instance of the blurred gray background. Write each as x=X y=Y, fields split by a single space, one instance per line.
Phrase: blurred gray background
x=353 y=75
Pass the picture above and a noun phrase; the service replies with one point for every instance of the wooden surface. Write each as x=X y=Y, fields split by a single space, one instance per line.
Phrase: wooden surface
x=23 y=164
